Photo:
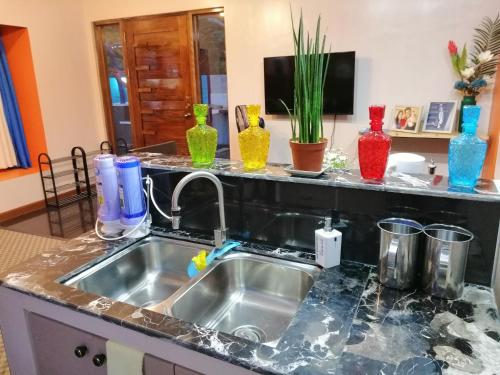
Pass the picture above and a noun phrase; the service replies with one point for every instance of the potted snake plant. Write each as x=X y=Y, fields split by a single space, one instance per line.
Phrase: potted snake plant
x=306 y=118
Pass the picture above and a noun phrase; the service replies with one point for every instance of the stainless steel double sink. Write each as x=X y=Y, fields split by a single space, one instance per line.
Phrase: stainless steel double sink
x=250 y=296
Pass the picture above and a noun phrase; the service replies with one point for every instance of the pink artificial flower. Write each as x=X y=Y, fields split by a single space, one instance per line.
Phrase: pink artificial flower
x=452 y=48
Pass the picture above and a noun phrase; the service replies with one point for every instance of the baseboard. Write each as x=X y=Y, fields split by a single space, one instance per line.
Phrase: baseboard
x=20 y=211
x=30 y=208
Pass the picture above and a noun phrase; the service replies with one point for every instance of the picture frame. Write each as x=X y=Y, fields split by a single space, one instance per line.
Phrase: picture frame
x=441 y=117
x=406 y=118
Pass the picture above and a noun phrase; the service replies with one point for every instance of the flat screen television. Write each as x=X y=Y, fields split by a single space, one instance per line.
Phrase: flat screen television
x=339 y=84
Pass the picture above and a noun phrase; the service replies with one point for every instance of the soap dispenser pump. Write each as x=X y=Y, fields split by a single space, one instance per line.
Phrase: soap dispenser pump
x=328 y=242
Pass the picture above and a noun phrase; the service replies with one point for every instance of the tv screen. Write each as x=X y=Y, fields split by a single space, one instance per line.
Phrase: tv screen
x=339 y=84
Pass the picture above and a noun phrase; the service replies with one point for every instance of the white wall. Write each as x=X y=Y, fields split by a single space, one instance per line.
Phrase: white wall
x=400 y=46
x=401 y=51
x=63 y=68
x=401 y=54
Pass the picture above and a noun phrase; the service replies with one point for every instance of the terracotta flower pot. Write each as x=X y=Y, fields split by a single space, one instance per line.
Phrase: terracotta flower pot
x=308 y=156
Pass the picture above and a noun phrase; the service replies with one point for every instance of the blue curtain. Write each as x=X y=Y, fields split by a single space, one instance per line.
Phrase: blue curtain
x=11 y=109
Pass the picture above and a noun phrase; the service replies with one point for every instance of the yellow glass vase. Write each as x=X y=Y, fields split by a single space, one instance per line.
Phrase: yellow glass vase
x=254 y=141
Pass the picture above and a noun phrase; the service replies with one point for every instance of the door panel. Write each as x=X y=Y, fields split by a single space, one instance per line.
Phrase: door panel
x=153 y=71
x=54 y=343
x=156 y=366
x=155 y=24
x=160 y=79
x=179 y=370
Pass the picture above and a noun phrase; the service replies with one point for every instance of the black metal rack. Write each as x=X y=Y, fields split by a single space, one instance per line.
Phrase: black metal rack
x=62 y=194
x=122 y=147
x=72 y=220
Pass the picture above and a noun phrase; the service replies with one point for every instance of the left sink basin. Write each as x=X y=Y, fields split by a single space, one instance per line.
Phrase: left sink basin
x=144 y=274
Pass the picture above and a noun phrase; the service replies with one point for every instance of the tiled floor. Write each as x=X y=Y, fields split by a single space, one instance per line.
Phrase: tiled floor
x=16 y=247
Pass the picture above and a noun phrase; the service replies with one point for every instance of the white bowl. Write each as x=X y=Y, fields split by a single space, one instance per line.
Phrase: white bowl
x=405 y=162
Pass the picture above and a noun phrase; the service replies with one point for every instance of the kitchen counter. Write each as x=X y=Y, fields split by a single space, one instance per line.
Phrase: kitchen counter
x=428 y=185
x=348 y=323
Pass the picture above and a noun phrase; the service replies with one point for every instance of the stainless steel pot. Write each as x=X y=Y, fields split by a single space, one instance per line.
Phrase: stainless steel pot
x=398 y=252
x=446 y=252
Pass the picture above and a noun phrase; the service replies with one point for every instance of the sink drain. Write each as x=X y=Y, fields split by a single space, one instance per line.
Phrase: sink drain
x=251 y=333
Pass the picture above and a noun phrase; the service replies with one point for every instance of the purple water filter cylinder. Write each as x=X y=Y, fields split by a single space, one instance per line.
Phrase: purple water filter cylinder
x=108 y=199
x=132 y=203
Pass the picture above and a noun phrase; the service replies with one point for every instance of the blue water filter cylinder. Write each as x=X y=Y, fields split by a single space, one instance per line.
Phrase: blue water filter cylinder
x=132 y=203
x=108 y=200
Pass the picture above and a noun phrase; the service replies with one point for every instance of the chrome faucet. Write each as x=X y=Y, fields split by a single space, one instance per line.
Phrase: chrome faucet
x=219 y=234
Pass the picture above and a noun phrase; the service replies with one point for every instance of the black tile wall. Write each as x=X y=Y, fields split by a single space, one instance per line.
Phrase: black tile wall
x=285 y=214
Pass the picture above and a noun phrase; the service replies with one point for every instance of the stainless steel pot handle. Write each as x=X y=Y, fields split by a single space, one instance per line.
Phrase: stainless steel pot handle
x=443 y=269
x=392 y=256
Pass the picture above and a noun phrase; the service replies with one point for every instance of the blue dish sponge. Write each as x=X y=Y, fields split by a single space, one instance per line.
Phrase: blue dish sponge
x=202 y=260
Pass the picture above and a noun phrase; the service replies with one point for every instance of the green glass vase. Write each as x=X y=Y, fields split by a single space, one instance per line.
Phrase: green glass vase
x=202 y=139
x=467 y=100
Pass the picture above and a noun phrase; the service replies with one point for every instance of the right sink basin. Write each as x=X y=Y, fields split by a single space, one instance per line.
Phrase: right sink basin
x=246 y=295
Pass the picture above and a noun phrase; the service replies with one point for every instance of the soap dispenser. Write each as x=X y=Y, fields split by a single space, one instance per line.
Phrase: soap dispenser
x=328 y=242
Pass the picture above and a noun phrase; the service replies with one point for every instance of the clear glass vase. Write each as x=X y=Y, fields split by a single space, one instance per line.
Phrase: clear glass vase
x=467 y=151
x=254 y=141
x=202 y=139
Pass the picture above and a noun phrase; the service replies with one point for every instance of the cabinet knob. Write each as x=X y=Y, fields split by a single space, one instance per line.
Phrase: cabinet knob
x=80 y=351
x=99 y=360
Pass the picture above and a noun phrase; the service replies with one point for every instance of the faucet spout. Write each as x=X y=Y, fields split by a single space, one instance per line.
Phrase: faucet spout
x=219 y=234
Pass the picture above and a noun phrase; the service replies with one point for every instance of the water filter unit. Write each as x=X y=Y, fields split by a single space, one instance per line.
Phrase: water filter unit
x=107 y=193
x=132 y=203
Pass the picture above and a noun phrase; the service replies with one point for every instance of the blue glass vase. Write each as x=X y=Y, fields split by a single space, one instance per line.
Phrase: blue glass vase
x=467 y=151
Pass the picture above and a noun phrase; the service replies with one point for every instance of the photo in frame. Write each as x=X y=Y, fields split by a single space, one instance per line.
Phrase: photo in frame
x=441 y=117
x=406 y=118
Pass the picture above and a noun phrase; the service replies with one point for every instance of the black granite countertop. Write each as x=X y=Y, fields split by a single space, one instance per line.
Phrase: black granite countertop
x=347 y=324
x=429 y=185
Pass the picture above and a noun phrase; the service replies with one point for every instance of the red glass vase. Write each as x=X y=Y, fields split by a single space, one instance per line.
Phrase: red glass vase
x=374 y=147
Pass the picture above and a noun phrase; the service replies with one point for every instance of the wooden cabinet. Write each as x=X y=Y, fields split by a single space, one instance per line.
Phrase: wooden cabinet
x=63 y=350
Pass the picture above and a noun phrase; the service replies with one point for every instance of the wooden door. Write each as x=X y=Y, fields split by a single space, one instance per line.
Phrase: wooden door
x=161 y=86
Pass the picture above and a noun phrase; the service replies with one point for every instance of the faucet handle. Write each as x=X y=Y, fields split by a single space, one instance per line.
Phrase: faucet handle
x=176 y=222
x=220 y=236
x=176 y=218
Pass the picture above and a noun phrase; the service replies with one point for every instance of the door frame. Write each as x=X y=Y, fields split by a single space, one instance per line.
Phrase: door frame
x=102 y=68
x=194 y=47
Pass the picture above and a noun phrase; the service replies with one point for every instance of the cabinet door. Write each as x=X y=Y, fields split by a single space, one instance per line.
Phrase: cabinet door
x=179 y=370
x=54 y=345
x=156 y=366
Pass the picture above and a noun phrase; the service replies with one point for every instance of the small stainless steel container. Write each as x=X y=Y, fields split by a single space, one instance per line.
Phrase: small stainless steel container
x=397 y=263
x=445 y=260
